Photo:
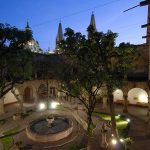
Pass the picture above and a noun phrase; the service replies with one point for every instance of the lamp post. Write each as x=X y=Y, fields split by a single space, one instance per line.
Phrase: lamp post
x=148 y=43
x=142 y=3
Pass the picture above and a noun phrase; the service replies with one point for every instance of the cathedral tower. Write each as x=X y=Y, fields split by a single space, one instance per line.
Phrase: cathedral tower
x=27 y=28
x=59 y=37
x=32 y=44
x=92 y=22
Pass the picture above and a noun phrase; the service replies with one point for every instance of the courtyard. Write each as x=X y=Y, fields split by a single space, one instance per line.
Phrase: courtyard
x=82 y=87
x=139 y=130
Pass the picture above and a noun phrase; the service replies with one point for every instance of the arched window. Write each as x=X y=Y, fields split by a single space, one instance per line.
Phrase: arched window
x=137 y=96
x=28 y=95
x=42 y=92
x=118 y=95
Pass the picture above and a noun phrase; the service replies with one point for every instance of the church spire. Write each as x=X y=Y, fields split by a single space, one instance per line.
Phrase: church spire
x=27 y=26
x=59 y=35
x=92 y=22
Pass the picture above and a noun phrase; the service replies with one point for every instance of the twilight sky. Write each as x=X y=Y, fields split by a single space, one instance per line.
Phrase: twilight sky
x=44 y=16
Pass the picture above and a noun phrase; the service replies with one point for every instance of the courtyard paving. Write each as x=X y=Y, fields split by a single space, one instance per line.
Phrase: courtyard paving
x=139 y=126
x=140 y=130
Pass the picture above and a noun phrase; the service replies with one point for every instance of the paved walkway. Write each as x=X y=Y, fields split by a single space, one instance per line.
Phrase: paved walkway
x=54 y=145
x=79 y=115
x=24 y=122
x=140 y=130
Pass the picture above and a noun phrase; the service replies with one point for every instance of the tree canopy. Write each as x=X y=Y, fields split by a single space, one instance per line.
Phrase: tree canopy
x=92 y=63
x=15 y=60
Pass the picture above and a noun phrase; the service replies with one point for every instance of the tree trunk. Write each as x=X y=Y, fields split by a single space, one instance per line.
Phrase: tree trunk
x=112 y=113
x=89 y=120
x=125 y=109
x=104 y=103
x=21 y=105
x=2 y=105
x=20 y=100
x=89 y=130
x=89 y=144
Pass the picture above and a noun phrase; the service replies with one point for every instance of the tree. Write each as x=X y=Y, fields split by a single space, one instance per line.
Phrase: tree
x=15 y=60
x=83 y=72
x=91 y=63
x=118 y=61
x=130 y=60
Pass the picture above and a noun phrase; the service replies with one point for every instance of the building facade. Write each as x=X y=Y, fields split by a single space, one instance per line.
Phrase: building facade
x=41 y=89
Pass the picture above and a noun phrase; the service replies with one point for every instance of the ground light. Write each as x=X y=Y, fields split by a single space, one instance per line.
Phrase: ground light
x=54 y=105
x=42 y=106
x=121 y=140
x=128 y=120
x=114 y=141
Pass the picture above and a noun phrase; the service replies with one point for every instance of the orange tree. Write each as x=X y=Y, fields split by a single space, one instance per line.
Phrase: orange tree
x=91 y=63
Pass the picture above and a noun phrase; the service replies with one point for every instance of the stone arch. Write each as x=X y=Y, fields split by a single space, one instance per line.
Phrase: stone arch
x=42 y=92
x=118 y=95
x=28 y=95
x=138 y=96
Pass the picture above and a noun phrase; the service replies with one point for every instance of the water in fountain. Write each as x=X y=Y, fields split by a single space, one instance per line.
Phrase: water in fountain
x=57 y=125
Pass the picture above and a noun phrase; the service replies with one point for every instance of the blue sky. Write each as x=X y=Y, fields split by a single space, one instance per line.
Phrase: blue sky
x=44 y=16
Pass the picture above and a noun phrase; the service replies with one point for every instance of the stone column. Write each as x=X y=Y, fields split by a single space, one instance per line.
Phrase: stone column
x=36 y=93
x=35 y=97
x=125 y=108
x=2 y=105
x=58 y=97
x=22 y=110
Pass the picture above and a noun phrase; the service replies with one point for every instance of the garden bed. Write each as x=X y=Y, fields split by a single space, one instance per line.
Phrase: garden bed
x=7 y=140
x=122 y=124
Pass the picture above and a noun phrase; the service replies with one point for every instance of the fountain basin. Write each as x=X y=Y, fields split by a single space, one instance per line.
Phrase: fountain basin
x=39 y=131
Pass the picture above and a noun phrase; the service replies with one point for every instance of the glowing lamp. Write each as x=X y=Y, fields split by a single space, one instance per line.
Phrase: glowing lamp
x=54 y=105
x=121 y=140
x=128 y=120
x=42 y=106
x=114 y=141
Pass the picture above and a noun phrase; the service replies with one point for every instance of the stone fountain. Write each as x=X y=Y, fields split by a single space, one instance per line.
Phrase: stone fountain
x=49 y=129
x=50 y=121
